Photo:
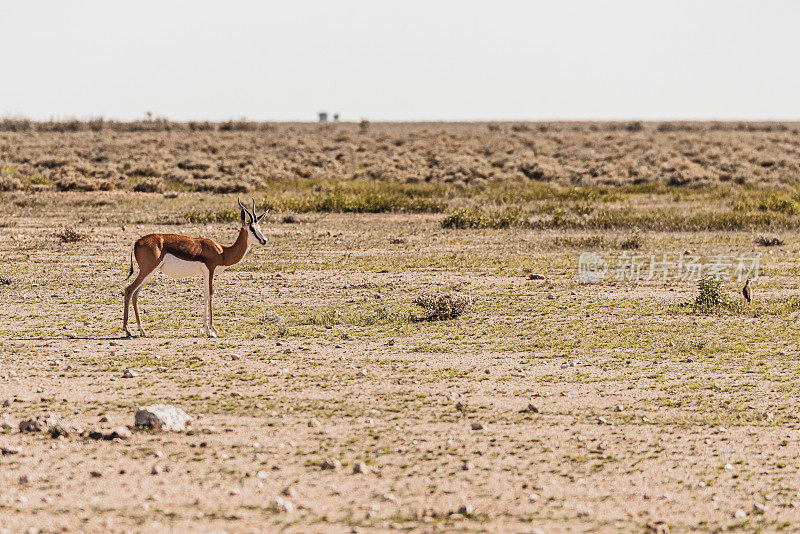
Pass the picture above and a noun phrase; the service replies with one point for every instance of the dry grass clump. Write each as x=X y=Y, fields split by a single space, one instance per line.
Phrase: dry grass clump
x=82 y=183
x=9 y=181
x=442 y=306
x=69 y=234
x=766 y=241
x=150 y=186
x=478 y=218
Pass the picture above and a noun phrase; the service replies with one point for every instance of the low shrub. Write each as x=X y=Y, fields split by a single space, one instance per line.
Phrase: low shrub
x=442 y=306
x=81 y=183
x=224 y=215
x=69 y=234
x=765 y=241
x=150 y=186
x=477 y=218
x=9 y=182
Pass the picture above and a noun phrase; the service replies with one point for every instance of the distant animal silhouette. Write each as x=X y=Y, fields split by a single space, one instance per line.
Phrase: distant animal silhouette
x=747 y=291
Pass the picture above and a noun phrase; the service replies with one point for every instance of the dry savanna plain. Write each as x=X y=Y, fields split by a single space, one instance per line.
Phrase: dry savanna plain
x=338 y=396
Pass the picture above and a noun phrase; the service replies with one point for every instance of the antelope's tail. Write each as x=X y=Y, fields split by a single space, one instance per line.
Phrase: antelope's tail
x=130 y=273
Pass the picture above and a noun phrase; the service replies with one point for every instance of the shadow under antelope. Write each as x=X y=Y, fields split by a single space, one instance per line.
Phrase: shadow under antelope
x=180 y=256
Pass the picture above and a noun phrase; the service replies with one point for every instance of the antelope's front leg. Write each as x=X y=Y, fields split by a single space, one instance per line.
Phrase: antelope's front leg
x=211 y=306
x=207 y=288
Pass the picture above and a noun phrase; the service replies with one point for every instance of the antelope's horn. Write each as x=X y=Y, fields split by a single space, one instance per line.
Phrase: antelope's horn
x=245 y=209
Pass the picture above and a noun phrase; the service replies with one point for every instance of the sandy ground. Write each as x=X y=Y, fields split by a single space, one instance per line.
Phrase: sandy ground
x=548 y=405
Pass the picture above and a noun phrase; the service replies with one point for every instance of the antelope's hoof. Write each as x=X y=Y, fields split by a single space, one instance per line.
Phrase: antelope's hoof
x=142 y=333
x=127 y=333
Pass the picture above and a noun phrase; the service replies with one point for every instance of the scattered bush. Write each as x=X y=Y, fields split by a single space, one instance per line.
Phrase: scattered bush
x=355 y=199
x=150 y=186
x=69 y=234
x=477 y=218
x=631 y=243
x=765 y=241
x=5 y=281
x=712 y=297
x=594 y=241
x=81 y=183
x=223 y=215
x=9 y=182
x=442 y=306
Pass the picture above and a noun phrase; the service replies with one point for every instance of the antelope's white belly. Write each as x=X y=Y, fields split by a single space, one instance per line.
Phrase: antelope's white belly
x=175 y=267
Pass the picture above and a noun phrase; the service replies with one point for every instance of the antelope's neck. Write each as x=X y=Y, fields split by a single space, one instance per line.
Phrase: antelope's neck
x=234 y=253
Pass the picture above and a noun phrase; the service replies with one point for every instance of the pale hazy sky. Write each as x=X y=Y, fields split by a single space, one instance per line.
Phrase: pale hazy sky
x=404 y=60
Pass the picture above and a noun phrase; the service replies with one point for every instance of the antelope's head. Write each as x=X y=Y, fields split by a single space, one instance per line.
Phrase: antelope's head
x=254 y=234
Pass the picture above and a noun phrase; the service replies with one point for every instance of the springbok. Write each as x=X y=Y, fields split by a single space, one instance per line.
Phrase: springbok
x=180 y=256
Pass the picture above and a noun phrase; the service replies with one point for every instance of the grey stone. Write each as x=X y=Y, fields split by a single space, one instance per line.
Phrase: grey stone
x=162 y=417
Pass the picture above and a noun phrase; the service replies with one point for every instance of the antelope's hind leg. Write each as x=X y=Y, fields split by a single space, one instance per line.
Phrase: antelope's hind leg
x=132 y=295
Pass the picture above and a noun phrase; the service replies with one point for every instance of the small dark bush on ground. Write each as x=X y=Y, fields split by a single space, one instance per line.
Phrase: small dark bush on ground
x=442 y=306
x=9 y=182
x=150 y=186
x=70 y=235
x=766 y=241
x=224 y=215
x=631 y=243
x=79 y=183
x=477 y=218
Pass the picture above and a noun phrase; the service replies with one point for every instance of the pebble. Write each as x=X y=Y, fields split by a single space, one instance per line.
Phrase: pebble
x=162 y=417
x=128 y=373
x=95 y=474
x=10 y=449
x=314 y=423
x=118 y=432
x=466 y=509
x=467 y=466
x=281 y=505
x=602 y=420
x=289 y=491
x=759 y=508
x=360 y=468
x=739 y=514
x=332 y=464
x=478 y=426
x=659 y=527
x=531 y=408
